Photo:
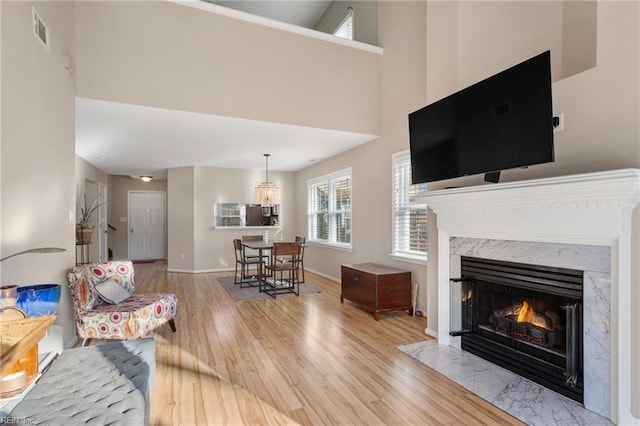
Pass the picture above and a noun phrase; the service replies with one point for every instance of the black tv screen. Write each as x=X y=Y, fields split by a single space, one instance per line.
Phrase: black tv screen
x=502 y=122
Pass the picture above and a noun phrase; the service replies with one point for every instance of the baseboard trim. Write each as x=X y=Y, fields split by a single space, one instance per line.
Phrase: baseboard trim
x=320 y=274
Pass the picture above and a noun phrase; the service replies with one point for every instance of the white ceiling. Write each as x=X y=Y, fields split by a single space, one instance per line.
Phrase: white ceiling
x=133 y=140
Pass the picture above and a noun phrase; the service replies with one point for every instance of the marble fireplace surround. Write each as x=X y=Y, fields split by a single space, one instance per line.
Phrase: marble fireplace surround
x=580 y=222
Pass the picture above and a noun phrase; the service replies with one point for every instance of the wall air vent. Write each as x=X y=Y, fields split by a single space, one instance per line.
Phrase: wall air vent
x=40 y=30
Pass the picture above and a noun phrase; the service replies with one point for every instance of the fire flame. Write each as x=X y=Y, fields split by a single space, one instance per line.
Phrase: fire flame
x=525 y=313
x=467 y=296
x=528 y=315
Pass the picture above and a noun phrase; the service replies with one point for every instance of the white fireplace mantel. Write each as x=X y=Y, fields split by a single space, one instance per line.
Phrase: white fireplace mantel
x=587 y=209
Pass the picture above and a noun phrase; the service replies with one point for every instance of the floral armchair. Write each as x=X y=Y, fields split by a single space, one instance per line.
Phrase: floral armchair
x=107 y=308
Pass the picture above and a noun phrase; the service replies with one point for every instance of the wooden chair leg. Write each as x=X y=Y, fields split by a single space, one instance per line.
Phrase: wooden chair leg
x=172 y=324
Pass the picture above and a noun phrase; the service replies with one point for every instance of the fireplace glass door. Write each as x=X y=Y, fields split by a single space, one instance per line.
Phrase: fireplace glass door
x=526 y=318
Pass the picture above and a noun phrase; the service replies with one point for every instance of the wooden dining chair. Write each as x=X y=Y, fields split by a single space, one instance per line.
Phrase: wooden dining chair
x=253 y=253
x=284 y=268
x=302 y=241
x=243 y=265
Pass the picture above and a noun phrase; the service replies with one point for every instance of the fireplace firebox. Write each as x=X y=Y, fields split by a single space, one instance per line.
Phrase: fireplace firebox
x=526 y=318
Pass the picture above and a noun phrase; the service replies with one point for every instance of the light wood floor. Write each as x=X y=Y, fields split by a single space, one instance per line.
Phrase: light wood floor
x=294 y=360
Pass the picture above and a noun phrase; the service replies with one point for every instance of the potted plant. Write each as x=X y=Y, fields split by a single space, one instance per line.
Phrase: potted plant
x=84 y=227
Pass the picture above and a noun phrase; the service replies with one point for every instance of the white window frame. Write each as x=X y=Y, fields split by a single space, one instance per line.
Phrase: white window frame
x=401 y=206
x=330 y=180
x=346 y=29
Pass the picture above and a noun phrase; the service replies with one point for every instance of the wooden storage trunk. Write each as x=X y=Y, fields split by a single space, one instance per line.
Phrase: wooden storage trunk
x=377 y=288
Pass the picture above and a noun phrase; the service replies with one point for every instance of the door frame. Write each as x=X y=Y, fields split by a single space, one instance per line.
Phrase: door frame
x=129 y=224
x=91 y=193
x=103 y=243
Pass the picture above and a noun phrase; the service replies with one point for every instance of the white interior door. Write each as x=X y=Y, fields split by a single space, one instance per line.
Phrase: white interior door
x=146 y=225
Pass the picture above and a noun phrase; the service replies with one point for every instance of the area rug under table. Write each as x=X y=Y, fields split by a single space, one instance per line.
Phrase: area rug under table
x=252 y=293
x=522 y=398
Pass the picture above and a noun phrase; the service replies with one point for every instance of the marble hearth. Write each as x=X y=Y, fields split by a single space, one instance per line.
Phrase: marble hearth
x=580 y=222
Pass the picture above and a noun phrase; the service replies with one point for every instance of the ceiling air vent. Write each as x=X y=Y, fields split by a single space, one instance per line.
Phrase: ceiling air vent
x=40 y=30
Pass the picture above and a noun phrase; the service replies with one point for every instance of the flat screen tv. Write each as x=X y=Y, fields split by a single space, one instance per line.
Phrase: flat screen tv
x=502 y=122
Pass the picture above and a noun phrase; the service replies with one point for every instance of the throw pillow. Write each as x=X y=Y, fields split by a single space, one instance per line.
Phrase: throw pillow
x=111 y=292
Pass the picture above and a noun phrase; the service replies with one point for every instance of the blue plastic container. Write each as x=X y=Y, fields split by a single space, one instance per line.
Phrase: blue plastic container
x=39 y=300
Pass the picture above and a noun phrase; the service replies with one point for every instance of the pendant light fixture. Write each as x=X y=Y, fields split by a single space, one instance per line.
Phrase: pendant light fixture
x=267 y=193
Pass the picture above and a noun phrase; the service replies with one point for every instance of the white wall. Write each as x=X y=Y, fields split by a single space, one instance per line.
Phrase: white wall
x=86 y=171
x=38 y=145
x=118 y=209
x=87 y=179
x=579 y=36
x=180 y=219
x=493 y=36
x=191 y=60
x=402 y=33
x=195 y=245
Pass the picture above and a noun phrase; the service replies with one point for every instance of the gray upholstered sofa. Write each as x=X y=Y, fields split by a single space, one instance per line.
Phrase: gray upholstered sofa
x=95 y=385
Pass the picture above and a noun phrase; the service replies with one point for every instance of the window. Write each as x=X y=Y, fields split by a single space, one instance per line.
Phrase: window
x=409 y=217
x=345 y=29
x=330 y=209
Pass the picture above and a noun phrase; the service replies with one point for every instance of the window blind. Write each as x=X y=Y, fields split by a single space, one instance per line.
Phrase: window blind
x=329 y=207
x=342 y=211
x=409 y=216
x=319 y=211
